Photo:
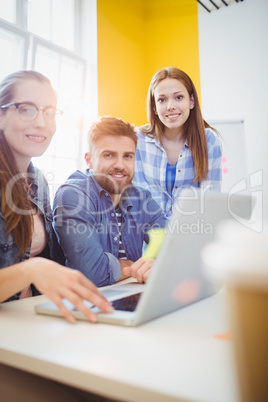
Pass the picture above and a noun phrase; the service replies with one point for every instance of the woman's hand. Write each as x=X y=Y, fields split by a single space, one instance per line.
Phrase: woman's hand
x=58 y=282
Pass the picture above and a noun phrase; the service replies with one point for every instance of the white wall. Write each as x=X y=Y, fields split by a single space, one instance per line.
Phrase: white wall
x=234 y=77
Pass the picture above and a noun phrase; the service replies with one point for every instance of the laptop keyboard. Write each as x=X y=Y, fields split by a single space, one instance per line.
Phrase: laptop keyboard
x=128 y=303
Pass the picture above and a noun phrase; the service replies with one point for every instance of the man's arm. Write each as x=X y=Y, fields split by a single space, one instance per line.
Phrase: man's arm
x=78 y=233
x=123 y=264
x=155 y=219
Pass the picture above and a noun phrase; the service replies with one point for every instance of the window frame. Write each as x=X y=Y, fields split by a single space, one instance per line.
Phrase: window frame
x=9 y=27
x=37 y=40
x=31 y=41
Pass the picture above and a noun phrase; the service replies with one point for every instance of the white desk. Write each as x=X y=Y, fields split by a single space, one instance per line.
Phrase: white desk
x=176 y=357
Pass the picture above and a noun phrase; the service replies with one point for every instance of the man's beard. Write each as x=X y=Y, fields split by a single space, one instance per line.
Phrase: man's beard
x=108 y=183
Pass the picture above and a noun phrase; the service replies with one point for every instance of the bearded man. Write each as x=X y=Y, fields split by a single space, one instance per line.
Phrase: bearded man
x=100 y=218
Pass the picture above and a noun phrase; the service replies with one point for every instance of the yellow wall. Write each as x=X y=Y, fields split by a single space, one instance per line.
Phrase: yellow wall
x=135 y=39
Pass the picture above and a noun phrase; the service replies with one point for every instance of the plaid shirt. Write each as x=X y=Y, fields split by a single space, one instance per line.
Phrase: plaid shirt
x=151 y=165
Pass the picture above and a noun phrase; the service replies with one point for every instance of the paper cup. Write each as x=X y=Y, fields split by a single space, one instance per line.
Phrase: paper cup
x=239 y=260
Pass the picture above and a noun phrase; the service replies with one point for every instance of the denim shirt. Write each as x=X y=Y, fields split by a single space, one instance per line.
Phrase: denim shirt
x=87 y=229
x=39 y=195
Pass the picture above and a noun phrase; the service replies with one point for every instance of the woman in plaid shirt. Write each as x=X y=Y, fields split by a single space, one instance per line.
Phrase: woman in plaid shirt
x=177 y=149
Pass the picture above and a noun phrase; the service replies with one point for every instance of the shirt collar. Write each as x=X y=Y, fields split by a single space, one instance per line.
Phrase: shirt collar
x=32 y=177
x=154 y=140
x=99 y=189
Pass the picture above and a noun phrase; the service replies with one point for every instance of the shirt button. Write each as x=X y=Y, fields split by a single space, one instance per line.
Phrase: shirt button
x=180 y=156
x=115 y=238
x=179 y=171
x=112 y=214
x=106 y=194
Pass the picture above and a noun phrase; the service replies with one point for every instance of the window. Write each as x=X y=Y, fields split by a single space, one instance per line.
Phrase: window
x=8 y=10
x=13 y=45
x=45 y=36
x=47 y=19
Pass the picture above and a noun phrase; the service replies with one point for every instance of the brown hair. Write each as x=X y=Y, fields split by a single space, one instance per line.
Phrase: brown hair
x=19 y=225
x=107 y=125
x=194 y=127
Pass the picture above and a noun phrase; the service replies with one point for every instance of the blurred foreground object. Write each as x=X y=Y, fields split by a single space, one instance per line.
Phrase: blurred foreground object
x=239 y=259
x=156 y=237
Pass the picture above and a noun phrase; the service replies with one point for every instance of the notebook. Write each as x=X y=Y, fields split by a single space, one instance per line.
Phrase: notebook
x=176 y=279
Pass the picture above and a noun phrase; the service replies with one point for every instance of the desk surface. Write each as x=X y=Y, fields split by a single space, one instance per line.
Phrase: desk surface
x=176 y=357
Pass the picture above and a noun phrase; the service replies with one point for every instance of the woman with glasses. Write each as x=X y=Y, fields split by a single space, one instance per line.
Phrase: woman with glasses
x=177 y=149
x=28 y=246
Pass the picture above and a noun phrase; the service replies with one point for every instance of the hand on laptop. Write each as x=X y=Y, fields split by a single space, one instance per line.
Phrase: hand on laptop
x=139 y=269
x=58 y=282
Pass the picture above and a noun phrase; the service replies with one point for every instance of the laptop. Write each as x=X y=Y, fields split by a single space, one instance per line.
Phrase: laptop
x=176 y=279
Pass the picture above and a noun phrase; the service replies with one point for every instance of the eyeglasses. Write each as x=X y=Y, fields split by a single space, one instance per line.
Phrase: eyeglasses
x=28 y=111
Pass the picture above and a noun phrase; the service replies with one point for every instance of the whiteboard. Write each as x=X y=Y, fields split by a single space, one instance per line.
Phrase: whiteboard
x=234 y=159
